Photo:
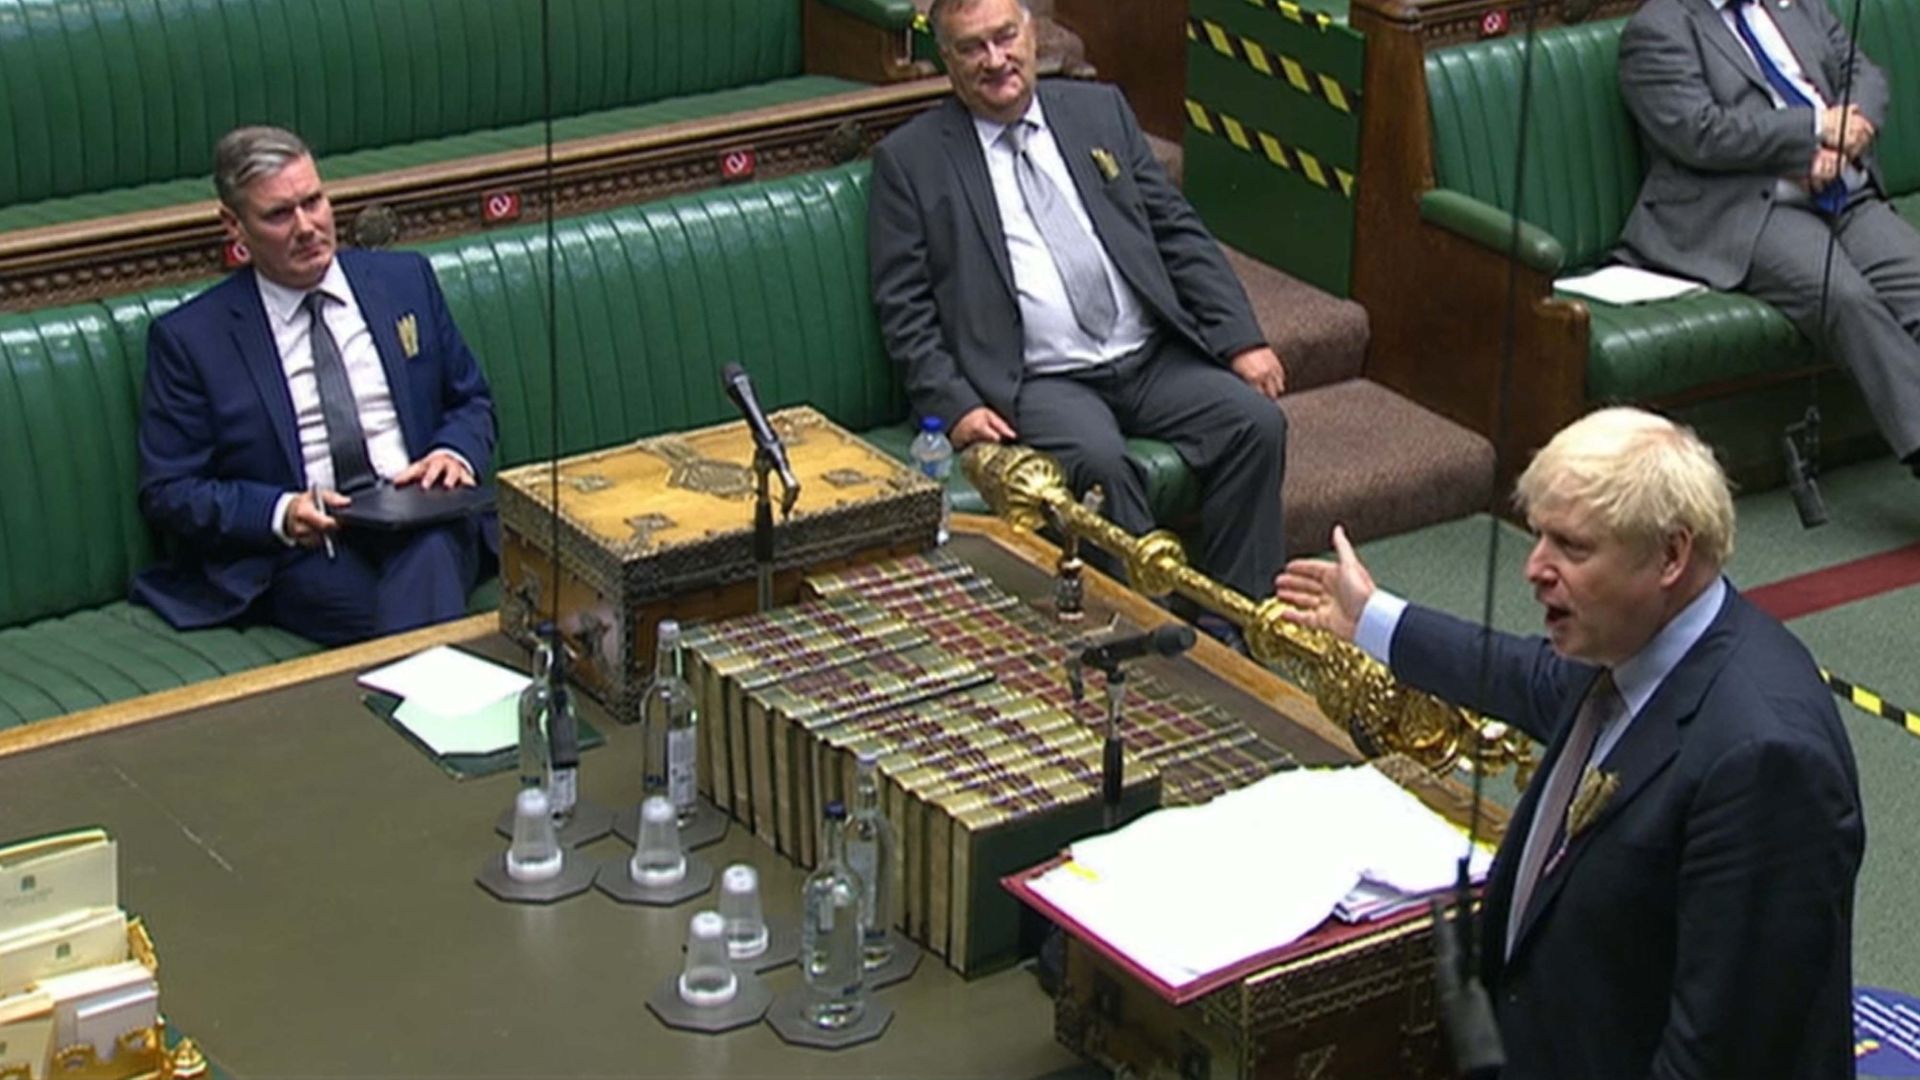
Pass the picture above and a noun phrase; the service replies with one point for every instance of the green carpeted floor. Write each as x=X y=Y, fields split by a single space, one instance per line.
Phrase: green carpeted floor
x=1874 y=507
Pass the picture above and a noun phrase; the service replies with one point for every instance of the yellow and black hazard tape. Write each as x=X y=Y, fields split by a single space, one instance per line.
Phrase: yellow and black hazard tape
x=1267 y=145
x=1871 y=703
x=1319 y=20
x=1273 y=64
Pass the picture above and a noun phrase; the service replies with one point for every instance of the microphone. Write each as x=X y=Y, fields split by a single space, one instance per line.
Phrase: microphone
x=1169 y=640
x=740 y=389
x=1466 y=1015
x=1803 y=465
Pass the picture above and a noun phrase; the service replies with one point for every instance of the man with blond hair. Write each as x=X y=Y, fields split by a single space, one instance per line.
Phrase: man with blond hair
x=1674 y=893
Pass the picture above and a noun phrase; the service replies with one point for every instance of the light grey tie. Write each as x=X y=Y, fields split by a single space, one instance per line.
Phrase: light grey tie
x=1072 y=249
x=1549 y=815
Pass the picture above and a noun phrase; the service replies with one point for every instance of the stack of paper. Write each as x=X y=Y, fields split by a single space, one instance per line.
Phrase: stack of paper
x=452 y=701
x=64 y=974
x=1628 y=285
x=1187 y=892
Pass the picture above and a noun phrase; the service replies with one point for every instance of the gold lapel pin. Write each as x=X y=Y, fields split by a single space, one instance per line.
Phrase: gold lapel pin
x=1596 y=788
x=409 y=329
x=1109 y=168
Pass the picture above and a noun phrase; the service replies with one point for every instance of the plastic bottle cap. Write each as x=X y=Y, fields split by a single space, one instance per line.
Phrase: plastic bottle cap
x=869 y=757
x=836 y=811
x=657 y=810
x=931 y=423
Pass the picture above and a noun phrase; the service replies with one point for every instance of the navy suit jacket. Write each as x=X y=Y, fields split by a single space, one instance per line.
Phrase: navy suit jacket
x=218 y=442
x=1702 y=925
x=943 y=284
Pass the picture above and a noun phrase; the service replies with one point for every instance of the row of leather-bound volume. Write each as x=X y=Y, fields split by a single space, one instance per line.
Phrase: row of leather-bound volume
x=988 y=764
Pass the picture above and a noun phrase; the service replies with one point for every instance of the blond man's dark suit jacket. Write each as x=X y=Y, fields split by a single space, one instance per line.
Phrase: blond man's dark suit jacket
x=1702 y=925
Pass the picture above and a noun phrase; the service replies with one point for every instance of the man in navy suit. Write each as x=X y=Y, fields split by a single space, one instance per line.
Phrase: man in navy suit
x=1040 y=279
x=1674 y=893
x=277 y=394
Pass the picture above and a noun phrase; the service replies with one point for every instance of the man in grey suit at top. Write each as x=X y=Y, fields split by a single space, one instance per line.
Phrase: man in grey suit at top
x=1042 y=281
x=1755 y=164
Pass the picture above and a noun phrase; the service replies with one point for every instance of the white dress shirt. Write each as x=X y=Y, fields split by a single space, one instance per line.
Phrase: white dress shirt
x=292 y=337
x=1054 y=339
x=1768 y=34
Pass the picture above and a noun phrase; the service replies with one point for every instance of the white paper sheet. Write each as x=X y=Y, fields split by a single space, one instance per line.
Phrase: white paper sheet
x=445 y=681
x=1186 y=892
x=1628 y=285
x=485 y=731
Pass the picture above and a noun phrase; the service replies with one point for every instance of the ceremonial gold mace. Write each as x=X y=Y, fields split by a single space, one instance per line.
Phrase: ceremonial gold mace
x=1028 y=489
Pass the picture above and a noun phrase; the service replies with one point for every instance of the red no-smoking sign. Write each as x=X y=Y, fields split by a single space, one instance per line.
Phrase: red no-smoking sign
x=499 y=206
x=737 y=164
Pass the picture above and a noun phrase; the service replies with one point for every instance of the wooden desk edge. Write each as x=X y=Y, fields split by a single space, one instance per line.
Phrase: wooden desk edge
x=1236 y=670
x=158 y=706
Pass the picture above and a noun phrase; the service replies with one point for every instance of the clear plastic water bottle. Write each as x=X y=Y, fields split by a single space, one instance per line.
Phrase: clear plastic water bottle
x=669 y=731
x=871 y=855
x=934 y=455
x=830 y=958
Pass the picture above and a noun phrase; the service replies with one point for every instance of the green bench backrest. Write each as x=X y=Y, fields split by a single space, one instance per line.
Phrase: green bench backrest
x=1583 y=160
x=653 y=301
x=102 y=94
x=1890 y=36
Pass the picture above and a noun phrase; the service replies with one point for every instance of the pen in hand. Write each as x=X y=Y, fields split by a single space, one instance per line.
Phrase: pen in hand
x=325 y=537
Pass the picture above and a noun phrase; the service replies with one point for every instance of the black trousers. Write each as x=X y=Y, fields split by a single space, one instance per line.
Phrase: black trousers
x=1233 y=438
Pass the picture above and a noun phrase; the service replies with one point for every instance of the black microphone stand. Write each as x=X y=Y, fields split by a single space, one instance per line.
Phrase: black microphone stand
x=763 y=527
x=1112 y=758
x=764 y=466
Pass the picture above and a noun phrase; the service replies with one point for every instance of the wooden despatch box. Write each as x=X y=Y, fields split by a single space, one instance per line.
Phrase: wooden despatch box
x=1349 y=1003
x=663 y=528
x=1361 y=1010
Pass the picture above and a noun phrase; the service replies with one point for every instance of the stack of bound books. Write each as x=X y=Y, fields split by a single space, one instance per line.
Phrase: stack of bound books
x=989 y=763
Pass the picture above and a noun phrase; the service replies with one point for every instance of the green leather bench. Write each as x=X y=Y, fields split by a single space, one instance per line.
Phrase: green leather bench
x=113 y=106
x=652 y=301
x=1728 y=363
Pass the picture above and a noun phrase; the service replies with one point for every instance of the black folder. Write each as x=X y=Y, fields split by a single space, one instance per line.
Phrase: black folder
x=396 y=509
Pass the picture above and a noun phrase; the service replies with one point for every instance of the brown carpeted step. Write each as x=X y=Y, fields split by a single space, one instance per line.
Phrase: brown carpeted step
x=1321 y=338
x=1362 y=456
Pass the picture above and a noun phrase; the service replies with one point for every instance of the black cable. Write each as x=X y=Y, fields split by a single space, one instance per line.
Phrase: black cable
x=553 y=311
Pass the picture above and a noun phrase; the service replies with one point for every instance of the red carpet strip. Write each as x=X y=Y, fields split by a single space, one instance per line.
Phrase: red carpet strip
x=1806 y=594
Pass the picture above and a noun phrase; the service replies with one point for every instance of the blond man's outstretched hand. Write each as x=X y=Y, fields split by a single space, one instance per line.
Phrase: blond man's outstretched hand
x=1326 y=595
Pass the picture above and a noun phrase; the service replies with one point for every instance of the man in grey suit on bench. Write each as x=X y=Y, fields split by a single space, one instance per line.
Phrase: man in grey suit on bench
x=1755 y=165
x=1042 y=280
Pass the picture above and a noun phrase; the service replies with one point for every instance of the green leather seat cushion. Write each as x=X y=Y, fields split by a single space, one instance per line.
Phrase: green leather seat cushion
x=1645 y=352
x=119 y=651
x=337 y=167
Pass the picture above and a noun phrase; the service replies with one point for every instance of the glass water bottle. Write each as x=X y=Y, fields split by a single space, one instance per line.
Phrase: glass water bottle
x=871 y=854
x=668 y=722
x=830 y=957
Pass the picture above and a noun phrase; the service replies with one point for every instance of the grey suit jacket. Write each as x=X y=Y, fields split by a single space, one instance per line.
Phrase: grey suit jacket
x=943 y=286
x=1715 y=143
